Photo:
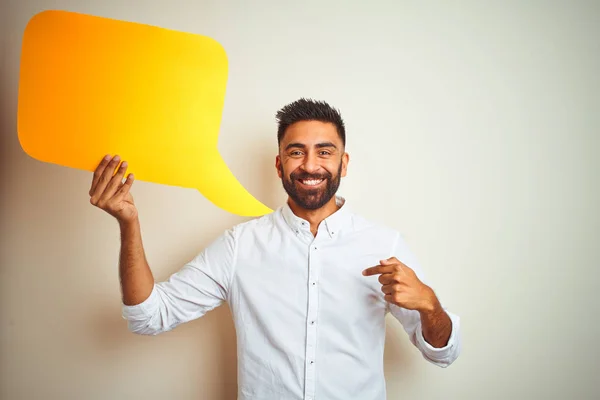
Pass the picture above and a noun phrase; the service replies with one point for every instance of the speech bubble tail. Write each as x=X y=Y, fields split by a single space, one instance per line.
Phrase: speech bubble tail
x=221 y=187
x=244 y=205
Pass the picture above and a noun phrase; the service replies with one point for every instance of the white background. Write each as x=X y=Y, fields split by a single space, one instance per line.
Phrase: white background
x=472 y=128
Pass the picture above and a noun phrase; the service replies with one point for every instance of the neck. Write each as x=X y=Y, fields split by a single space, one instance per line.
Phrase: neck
x=314 y=217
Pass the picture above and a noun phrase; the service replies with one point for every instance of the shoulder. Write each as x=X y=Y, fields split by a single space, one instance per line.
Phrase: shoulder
x=257 y=225
x=363 y=225
x=392 y=238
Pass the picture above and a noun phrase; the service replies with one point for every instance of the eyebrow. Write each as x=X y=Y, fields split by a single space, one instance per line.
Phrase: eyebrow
x=302 y=146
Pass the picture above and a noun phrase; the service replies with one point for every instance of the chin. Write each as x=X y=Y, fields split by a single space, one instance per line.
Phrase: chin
x=313 y=203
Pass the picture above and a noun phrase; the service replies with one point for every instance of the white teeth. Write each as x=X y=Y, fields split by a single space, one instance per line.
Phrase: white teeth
x=312 y=182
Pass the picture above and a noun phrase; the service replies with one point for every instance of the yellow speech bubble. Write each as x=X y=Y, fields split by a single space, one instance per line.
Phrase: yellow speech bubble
x=91 y=86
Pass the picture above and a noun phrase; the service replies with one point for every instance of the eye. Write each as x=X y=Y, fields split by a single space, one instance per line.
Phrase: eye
x=325 y=153
x=295 y=153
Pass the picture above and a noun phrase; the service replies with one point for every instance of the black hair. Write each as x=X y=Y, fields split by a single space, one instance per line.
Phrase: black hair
x=309 y=110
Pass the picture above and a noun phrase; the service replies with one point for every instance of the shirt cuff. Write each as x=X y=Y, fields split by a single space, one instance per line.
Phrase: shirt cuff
x=142 y=310
x=440 y=353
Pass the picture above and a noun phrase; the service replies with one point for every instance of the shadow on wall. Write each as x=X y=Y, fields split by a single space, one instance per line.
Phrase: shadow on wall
x=208 y=343
x=401 y=363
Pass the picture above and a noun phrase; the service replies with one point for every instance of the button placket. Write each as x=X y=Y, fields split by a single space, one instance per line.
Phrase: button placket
x=311 y=323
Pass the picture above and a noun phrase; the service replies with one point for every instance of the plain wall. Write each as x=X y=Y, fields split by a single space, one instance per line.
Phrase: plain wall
x=472 y=128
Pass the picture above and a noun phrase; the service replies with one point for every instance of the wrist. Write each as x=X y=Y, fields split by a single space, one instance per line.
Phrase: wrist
x=129 y=223
x=431 y=306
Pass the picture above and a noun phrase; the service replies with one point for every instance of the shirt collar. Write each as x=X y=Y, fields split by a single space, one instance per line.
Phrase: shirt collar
x=333 y=224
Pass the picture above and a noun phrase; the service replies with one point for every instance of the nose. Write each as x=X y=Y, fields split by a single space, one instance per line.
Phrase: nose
x=310 y=164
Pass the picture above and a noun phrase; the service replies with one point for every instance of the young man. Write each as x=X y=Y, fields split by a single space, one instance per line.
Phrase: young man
x=309 y=285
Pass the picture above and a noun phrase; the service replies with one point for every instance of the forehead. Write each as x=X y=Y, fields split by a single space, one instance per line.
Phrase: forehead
x=311 y=133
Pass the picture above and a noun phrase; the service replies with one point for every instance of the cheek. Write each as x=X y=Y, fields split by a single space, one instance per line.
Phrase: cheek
x=333 y=168
x=283 y=173
x=289 y=167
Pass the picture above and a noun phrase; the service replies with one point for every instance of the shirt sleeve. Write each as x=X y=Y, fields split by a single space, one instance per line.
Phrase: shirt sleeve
x=199 y=286
x=411 y=319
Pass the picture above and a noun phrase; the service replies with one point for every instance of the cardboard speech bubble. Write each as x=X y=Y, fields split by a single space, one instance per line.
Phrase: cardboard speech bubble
x=91 y=86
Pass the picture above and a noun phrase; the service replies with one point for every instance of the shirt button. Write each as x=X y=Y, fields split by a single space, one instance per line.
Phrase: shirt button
x=315 y=247
x=314 y=283
x=312 y=362
x=312 y=322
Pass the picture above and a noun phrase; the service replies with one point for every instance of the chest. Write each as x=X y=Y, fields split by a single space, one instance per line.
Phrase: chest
x=293 y=279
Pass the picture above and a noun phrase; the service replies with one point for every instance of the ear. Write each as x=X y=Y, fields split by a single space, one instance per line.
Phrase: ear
x=278 y=165
x=345 y=160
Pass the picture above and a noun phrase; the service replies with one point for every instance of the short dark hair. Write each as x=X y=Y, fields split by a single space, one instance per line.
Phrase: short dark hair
x=309 y=110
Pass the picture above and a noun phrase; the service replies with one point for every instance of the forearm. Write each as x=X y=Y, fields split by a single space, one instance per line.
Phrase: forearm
x=436 y=326
x=134 y=273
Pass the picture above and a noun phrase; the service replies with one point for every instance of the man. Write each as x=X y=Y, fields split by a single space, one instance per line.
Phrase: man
x=309 y=285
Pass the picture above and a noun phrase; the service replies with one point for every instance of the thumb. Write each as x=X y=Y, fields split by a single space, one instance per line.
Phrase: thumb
x=387 y=261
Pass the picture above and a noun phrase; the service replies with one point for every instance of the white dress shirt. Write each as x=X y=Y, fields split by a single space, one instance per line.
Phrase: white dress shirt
x=309 y=325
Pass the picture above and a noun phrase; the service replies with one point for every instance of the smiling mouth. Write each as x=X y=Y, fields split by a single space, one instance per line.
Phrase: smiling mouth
x=311 y=182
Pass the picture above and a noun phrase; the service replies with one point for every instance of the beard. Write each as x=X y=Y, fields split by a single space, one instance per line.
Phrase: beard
x=311 y=199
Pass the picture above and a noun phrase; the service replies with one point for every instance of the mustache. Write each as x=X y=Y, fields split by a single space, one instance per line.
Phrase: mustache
x=305 y=175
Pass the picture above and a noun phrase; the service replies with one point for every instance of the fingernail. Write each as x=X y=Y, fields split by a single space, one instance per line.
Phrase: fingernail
x=107 y=157
x=117 y=158
x=124 y=164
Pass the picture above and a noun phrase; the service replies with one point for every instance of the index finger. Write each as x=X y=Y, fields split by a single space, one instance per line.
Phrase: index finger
x=378 y=269
x=98 y=172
